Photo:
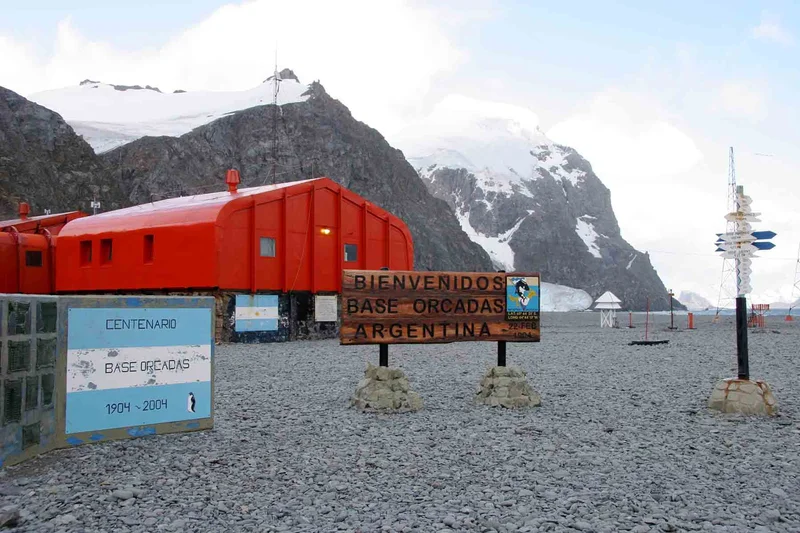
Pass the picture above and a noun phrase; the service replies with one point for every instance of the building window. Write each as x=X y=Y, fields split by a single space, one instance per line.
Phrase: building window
x=105 y=251
x=33 y=258
x=350 y=252
x=267 y=246
x=86 y=253
x=148 y=248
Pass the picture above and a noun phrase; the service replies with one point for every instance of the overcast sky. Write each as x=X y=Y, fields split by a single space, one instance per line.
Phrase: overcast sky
x=651 y=93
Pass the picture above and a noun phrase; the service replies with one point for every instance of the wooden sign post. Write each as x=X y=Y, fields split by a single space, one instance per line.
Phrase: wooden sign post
x=403 y=307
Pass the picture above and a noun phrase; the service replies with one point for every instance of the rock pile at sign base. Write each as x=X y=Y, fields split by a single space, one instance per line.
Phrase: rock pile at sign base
x=507 y=387
x=743 y=396
x=385 y=389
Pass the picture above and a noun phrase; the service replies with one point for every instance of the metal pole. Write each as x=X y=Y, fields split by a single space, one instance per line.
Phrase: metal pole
x=742 y=355
x=383 y=355
x=671 y=315
x=501 y=347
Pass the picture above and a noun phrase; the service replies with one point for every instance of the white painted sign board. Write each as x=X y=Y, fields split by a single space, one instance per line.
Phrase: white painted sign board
x=137 y=367
x=325 y=308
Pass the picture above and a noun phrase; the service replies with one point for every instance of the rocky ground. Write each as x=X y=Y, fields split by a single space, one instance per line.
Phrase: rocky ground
x=622 y=441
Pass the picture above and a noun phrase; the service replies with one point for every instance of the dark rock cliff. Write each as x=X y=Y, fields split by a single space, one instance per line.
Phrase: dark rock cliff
x=318 y=137
x=43 y=162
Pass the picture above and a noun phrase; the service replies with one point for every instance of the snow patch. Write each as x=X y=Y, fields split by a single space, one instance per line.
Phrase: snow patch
x=631 y=262
x=553 y=159
x=497 y=247
x=107 y=118
x=560 y=298
x=588 y=235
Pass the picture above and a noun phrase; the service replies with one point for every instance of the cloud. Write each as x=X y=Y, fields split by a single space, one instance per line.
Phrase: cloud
x=455 y=112
x=771 y=30
x=626 y=137
x=741 y=99
x=379 y=58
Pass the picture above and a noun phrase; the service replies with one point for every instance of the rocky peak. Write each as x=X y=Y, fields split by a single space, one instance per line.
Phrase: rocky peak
x=283 y=75
x=95 y=84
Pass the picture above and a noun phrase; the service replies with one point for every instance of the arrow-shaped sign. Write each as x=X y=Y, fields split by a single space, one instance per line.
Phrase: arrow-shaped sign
x=740 y=236
x=738 y=216
x=735 y=237
x=740 y=246
x=733 y=254
x=748 y=246
x=764 y=235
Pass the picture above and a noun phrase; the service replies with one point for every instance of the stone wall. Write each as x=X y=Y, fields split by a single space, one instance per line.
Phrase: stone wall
x=27 y=375
x=36 y=396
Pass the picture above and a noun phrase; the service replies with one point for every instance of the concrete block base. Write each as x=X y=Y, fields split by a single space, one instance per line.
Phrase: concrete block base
x=507 y=387
x=744 y=396
x=385 y=389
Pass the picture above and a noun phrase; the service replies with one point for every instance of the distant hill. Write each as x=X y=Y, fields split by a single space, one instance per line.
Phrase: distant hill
x=694 y=302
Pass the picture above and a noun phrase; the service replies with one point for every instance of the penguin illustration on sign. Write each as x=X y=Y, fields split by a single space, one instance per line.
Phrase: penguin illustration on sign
x=522 y=298
x=190 y=403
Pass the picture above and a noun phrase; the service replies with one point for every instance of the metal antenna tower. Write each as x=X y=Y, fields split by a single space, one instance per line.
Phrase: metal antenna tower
x=276 y=87
x=796 y=285
x=727 y=287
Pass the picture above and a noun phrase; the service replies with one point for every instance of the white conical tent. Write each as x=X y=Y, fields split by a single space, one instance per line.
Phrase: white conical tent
x=608 y=305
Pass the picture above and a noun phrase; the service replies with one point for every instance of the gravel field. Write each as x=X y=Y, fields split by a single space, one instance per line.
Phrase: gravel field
x=622 y=441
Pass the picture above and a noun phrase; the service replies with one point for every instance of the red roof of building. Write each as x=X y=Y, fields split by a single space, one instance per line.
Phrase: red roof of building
x=180 y=211
x=31 y=224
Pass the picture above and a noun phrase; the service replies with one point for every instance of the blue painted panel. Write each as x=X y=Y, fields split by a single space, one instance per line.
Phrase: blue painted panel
x=141 y=406
x=257 y=312
x=134 y=328
x=262 y=324
x=257 y=300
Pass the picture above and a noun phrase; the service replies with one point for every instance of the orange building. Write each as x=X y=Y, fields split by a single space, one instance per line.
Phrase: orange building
x=27 y=251
x=289 y=241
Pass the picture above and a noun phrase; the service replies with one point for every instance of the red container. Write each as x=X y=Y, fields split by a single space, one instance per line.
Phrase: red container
x=294 y=236
x=27 y=251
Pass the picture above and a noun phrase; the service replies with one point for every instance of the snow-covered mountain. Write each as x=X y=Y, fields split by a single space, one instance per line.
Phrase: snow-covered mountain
x=785 y=305
x=108 y=116
x=694 y=302
x=532 y=204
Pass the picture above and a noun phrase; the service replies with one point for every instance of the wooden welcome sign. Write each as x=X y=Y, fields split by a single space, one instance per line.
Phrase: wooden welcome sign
x=403 y=307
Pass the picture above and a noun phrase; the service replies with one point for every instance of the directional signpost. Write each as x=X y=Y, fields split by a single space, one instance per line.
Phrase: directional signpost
x=741 y=245
x=742 y=395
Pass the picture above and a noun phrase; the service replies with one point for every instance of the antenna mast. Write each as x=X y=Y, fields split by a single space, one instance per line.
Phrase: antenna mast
x=795 y=287
x=276 y=81
x=727 y=287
